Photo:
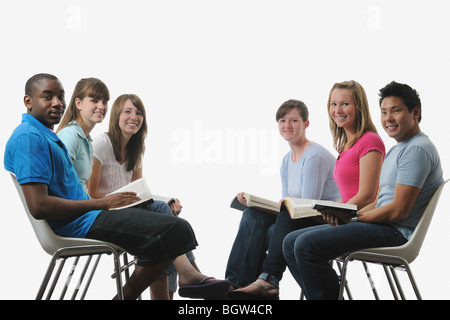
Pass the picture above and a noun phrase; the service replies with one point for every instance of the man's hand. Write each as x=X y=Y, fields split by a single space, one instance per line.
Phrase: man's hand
x=116 y=200
x=335 y=217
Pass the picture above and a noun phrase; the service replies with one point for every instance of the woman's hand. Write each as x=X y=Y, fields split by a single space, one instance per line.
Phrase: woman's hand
x=176 y=207
x=241 y=199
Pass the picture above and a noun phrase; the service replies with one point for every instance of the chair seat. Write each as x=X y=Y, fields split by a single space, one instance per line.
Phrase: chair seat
x=377 y=257
x=79 y=246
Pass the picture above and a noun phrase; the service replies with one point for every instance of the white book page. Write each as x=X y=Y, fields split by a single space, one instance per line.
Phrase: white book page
x=139 y=186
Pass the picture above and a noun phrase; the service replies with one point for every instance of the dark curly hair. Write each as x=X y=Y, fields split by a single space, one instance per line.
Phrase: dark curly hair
x=409 y=95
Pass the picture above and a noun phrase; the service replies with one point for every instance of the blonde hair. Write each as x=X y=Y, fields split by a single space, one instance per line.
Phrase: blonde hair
x=363 y=121
x=88 y=87
x=136 y=146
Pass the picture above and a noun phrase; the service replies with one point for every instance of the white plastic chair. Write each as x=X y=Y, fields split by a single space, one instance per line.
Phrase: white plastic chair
x=396 y=257
x=62 y=248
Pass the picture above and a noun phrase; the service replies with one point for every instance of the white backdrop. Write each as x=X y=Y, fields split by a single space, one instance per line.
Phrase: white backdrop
x=212 y=75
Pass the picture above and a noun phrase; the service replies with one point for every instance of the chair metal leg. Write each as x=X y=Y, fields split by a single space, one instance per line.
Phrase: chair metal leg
x=394 y=261
x=91 y=275
x=118 y=277
x=69 y=278
x=390 y=281
x=82 y=275
x=372 y=284
x=77 y=252
x=124 y=268
x=413 y=282
x=55 y=279
x=347 y=288
x=343 y=279
x=397 y=283
x=45 y=281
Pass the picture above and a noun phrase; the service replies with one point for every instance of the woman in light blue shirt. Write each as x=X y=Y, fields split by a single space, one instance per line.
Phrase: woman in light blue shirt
x=87 y=107
x=306 y=172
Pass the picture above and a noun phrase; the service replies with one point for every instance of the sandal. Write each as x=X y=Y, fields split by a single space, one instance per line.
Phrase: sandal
x=263 y=293
x=204 y=290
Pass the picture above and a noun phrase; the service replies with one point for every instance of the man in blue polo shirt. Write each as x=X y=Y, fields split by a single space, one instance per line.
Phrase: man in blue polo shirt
x=53 y=192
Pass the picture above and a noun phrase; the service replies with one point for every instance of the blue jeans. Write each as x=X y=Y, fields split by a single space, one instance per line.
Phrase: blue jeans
x=249 y=247
x=308 y=252
x=258 y=232
x=275 y=263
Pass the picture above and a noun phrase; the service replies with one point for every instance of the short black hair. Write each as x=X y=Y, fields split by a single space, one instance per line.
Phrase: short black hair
x=409 y=95
x=35 y=79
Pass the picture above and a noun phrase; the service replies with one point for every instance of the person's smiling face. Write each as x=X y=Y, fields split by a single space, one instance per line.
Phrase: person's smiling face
x=342 y=109
x=47 y=102
x=292 y=127
x=92 y=110
x=396 y=119
x=131 y=119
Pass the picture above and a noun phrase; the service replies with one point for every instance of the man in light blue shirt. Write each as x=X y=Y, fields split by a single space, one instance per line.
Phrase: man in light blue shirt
x=410 y=175
x=414 y=163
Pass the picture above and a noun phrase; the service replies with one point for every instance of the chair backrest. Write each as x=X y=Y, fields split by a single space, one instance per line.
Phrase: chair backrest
x=417 y=238
x=410 y=250
x=49 y=240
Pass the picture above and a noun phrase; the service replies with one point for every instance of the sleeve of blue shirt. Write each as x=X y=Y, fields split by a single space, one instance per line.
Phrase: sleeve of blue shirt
x=409 y=163
x=30 y=158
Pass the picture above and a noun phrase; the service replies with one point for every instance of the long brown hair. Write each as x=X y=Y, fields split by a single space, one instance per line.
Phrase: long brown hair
x=136 y=146
x=88 y=87
x=363 y=122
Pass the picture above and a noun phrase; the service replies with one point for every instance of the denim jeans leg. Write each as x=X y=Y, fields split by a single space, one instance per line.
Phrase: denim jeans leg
x=275 y=263
x=249 y=247
x=309 y=251
x=160 y=207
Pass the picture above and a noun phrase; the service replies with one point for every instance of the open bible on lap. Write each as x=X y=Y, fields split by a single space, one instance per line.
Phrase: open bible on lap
x=297 y=207
x=142 y=190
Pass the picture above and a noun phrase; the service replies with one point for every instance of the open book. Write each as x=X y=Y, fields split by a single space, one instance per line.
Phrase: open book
x=297 y=207
x=142 y=190
x=256 y=202
x=302 y=208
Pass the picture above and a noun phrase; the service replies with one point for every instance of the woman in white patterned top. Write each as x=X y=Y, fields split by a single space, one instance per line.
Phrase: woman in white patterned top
x=118 y=156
